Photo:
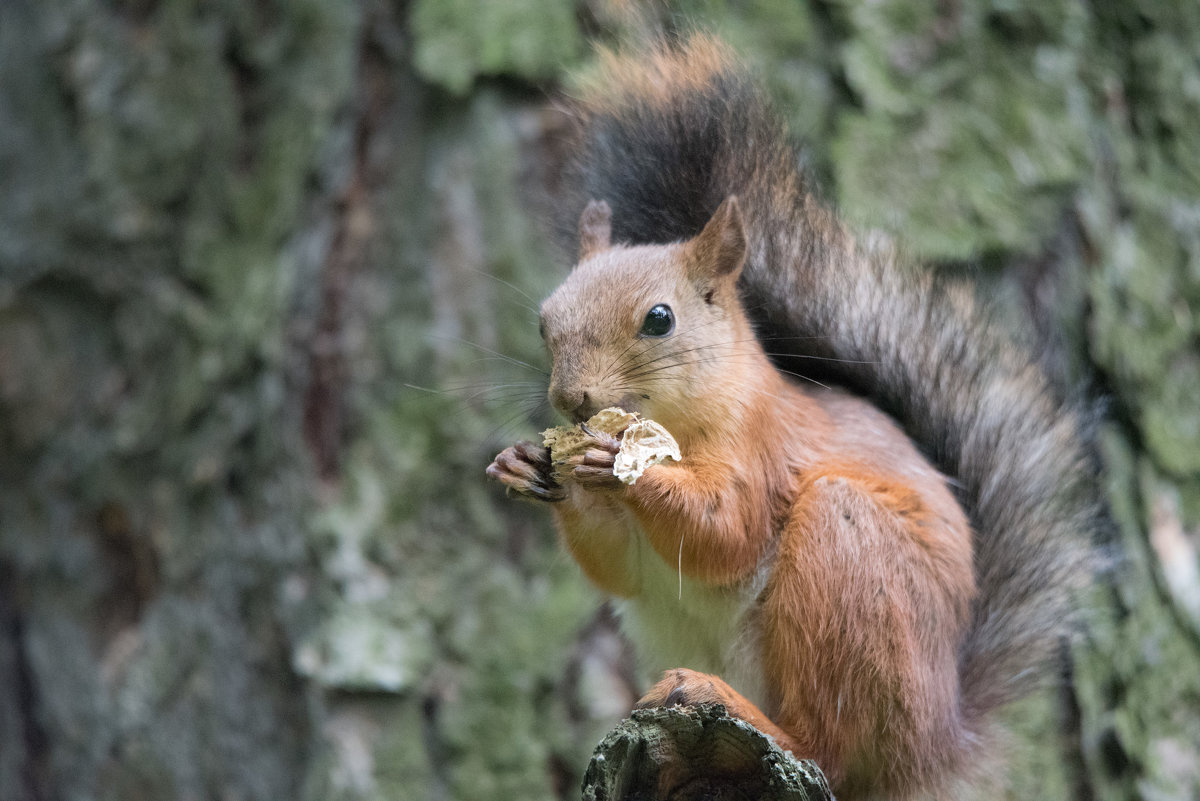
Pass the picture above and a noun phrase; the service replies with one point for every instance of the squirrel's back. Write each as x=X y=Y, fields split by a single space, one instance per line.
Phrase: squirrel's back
x=664 y=136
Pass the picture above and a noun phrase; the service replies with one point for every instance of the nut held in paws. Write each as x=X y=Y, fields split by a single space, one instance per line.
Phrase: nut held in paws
x=643 y=443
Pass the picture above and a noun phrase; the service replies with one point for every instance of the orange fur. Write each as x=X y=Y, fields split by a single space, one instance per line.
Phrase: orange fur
x=804 y=562
x=854 y=556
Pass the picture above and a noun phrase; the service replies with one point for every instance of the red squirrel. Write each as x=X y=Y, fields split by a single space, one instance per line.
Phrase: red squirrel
x=861 y=571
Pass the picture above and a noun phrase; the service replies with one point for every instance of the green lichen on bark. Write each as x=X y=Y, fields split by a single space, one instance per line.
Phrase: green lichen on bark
x=150 y=500
x=972 y=127
x=1137 y=676
x=189 y=606
x=453 y=596
x=1137 y=667
x=460 y=40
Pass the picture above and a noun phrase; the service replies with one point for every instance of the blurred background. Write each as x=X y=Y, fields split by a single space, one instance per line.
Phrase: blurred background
x=263 y=267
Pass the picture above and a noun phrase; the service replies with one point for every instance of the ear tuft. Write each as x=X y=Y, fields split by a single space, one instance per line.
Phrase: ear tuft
x=595 y=229
x=719 y=251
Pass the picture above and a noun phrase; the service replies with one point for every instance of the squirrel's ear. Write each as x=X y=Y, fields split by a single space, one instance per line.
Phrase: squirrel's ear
x=719 y=251
x=595 y=229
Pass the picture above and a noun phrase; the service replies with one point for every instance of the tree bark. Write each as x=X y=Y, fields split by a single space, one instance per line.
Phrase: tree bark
x=257 y=261
x=696 y=753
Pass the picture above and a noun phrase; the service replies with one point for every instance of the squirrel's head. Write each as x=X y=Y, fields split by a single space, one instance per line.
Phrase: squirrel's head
x=655 y=329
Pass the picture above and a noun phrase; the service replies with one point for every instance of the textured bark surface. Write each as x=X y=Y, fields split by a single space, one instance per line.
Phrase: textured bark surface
x=696 y=753
x=259 y=263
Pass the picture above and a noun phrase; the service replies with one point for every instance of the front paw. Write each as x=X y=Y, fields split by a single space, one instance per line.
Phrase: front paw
x=525 y=470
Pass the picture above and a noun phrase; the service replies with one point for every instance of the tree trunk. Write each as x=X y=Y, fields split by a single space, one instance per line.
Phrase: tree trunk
x=257 y=263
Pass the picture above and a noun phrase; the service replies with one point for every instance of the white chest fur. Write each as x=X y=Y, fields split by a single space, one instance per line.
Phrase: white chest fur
x=677 y=622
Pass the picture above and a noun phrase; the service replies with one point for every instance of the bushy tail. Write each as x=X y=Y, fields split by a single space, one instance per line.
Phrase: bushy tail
x=664 y=136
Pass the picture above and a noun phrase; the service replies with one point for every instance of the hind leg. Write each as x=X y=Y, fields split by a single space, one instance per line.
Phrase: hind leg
x=683 y=687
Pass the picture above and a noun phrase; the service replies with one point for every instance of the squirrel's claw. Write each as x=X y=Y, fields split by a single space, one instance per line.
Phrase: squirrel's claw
x=547 y=494
x=534 y=454
x=525 y=470
x=594 y=457
x=595 y=478
x=593 y=469
x=602 y=441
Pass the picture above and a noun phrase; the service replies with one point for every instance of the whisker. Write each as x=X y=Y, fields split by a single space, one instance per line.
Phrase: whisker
x=679 y=563
x=511 y=286
x=639 y=370
x=497 y=354
x=616 y=362
x=819 y=358
x=527 y=411
x=758 y=390
x=715 y=358
x=479 y=384
x=656 y=344
x=457 y=389
x=789 y=354
x=796 y=338
x=488 y=399
x=511 y=396
x=486 y=359
x=668 y=355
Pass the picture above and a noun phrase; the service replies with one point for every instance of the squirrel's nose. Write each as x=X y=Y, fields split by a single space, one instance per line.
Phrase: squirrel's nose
x=574 y=403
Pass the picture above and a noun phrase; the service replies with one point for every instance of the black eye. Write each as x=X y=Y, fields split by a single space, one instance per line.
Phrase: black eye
x=659 y=322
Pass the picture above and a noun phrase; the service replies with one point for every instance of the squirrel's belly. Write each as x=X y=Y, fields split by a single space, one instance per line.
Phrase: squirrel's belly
x=677 y=622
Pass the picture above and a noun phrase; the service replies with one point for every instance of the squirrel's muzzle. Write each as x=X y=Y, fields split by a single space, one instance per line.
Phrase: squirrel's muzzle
x=575 y=403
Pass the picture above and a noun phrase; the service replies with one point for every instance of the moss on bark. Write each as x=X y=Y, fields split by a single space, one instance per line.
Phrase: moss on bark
x=244 y=555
